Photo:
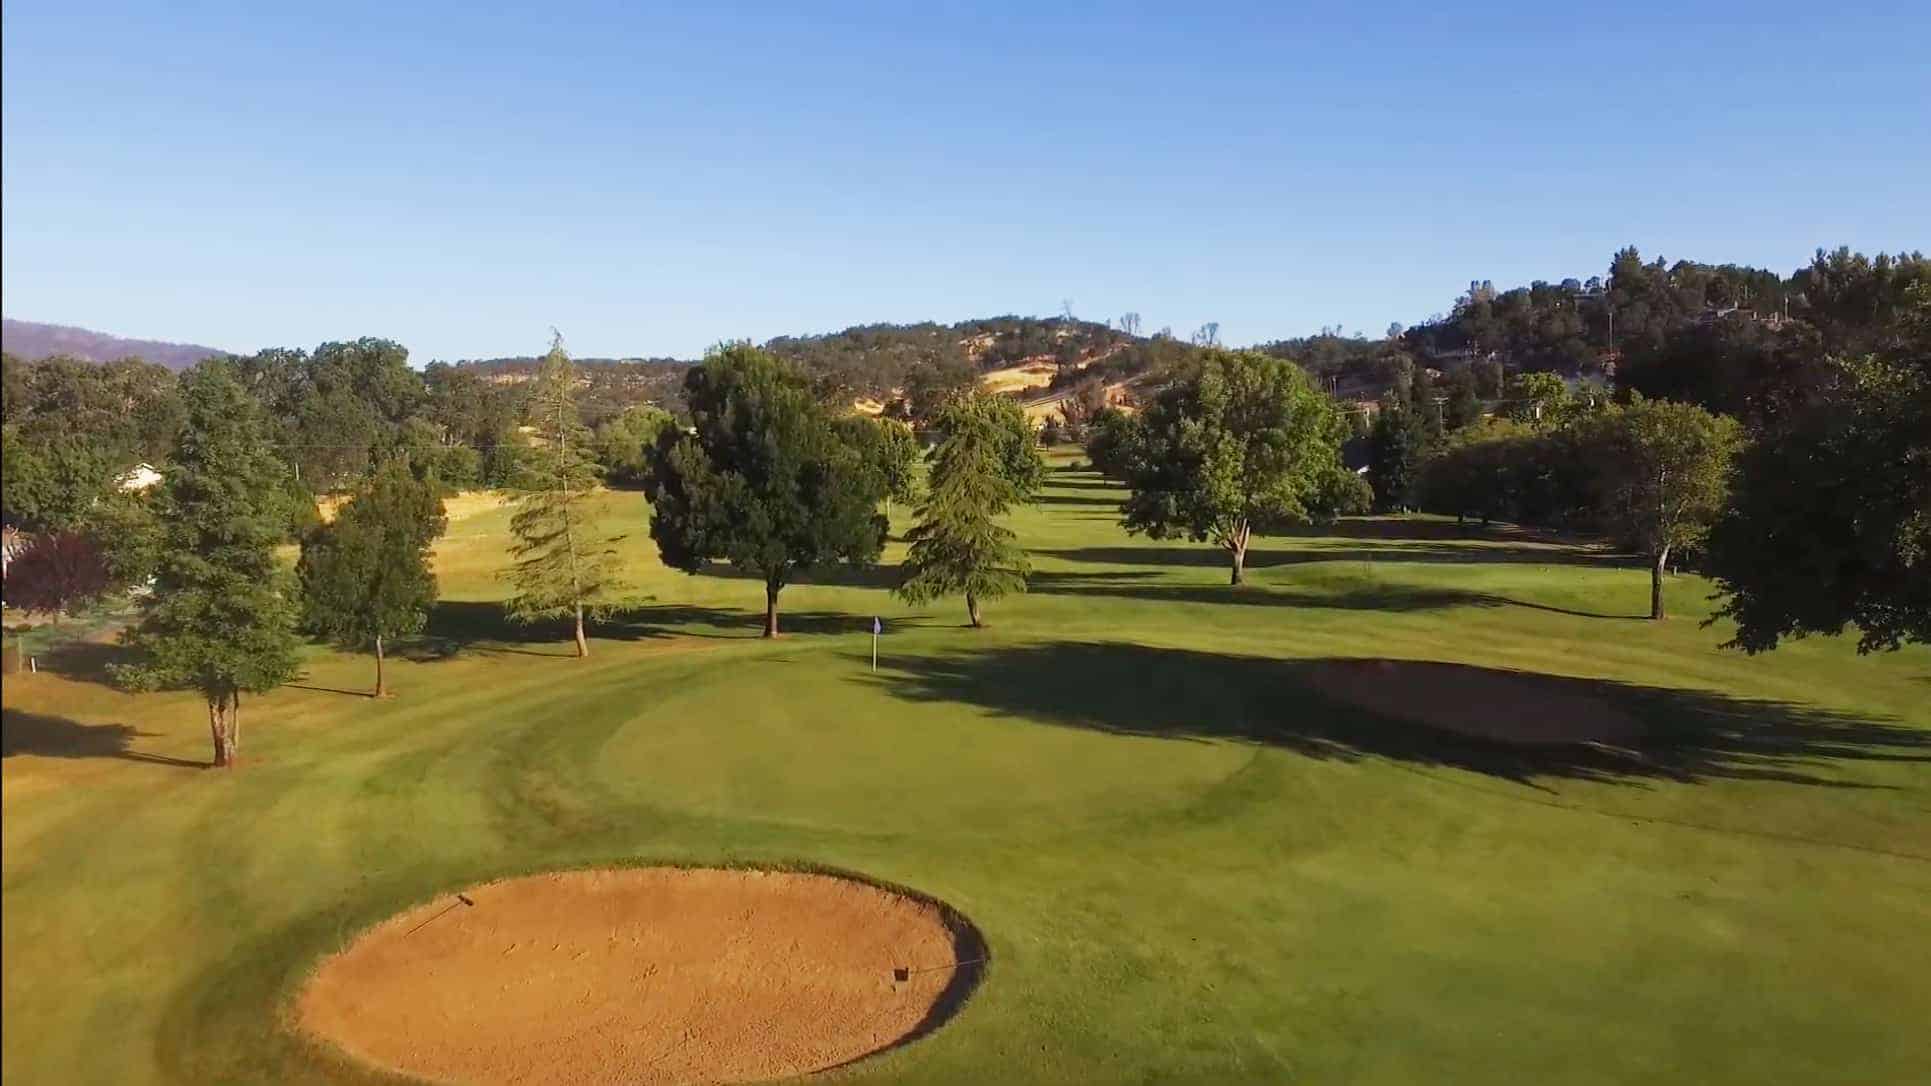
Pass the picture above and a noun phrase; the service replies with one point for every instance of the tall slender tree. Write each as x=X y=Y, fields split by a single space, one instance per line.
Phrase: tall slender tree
x=365 y=576
x=958 y=545
x=565 y=566
x=222 y=616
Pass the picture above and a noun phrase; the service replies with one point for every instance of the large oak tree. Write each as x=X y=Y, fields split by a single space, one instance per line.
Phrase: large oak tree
x=1238 y=447
x=766 y=479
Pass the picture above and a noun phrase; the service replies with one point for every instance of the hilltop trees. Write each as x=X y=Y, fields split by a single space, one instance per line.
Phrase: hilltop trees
x=768 y=480
x=958 y=546
x=365 y=576
x=221 y=620
x=1662 y=477
x=564 y=567
x=1239 y=447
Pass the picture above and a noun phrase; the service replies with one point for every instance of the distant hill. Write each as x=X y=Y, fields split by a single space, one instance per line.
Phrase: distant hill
x=30 y=340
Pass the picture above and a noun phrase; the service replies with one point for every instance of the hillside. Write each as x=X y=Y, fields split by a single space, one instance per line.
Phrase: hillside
x=31 y=339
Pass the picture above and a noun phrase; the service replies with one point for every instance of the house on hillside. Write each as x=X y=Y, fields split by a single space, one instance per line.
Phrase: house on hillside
x=138 y=478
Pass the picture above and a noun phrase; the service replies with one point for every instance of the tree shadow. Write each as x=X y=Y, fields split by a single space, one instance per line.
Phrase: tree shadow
x=1365 y=597
x=58 y=737
x=1517 y=726
x=1262 y=557
x=459 y=626
x=1074 y=499
x=365 y=694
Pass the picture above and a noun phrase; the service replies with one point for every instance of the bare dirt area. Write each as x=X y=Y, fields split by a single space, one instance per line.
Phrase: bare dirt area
x=651 y=975
x=1498 y=706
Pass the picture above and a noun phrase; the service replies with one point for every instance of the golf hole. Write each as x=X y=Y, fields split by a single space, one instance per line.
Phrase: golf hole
x=647 y=975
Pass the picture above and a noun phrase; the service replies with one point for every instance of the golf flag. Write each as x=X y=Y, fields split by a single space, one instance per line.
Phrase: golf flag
x=877 y=627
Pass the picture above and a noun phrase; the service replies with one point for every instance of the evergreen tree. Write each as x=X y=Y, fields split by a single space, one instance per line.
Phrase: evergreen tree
x=767 y=480
x=221 y=619
x=957 y=545
x=564 y=567
x=1019 y=457
x=1395 y=448
x=365 y=577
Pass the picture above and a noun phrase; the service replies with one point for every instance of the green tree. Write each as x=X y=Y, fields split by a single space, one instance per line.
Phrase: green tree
x=1240 y=447
x=958 y=546
x=1396 y=447
x=565 y=567
x=1017 y=444
x=623 y=444
x=767 y=480
x=365 y=576
x=1112 y=444
x=889 y=448
x=1464 y=406
x=1538 y=399
x=221 y=618
x=1830 y=525
x=50 y=481
x=1662 y=478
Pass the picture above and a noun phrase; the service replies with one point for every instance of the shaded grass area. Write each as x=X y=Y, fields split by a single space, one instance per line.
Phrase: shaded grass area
x=1192 y=856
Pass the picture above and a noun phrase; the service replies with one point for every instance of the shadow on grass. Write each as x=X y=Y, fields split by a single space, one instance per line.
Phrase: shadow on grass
x=58 y=737
x=1377 y=597
x=458 y=626
x=1521 y=726
x=1260 y=556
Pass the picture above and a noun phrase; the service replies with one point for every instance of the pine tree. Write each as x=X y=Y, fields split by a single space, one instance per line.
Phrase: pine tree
x=365 y=577
x=957 y=545
x=221 y=619
x=563 y=567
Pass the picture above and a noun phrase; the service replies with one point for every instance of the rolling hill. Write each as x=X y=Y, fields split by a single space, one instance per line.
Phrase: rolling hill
x=29 y=339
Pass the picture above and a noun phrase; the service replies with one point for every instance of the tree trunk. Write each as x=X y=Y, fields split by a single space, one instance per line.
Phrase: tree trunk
x=771 y=608
x=1237 y=549
x=234 y=725
x=972 y=609
x=583 y=646
x=218 y=729
x=381 y=688
x=1656 y=584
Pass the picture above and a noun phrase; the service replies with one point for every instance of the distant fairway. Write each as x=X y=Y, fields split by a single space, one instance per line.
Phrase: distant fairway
x=1202 y=840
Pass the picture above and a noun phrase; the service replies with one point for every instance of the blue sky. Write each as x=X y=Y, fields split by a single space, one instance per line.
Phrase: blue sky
x=651 y=181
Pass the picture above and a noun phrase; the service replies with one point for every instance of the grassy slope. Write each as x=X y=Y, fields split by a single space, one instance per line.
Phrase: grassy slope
x=1188 y=867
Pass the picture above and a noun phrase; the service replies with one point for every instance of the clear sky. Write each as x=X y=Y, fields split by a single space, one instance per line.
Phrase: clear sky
x=461 y=177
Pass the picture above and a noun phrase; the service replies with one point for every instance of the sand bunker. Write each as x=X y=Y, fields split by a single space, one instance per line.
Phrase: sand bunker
x=1500 y=706
x=651 y=975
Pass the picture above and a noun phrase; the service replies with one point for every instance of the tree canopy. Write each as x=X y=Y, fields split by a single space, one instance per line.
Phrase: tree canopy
x=221 y=618
x=1662 y=478
x=767 y=480
x=365 y=576
x=1830 y=524
x=1240 y=447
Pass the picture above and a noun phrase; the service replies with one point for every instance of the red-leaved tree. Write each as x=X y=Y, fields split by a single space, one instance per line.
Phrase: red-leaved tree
x=57 y=572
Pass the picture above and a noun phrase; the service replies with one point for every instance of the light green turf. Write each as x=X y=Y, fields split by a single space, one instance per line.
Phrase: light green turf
x=1189 y=867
